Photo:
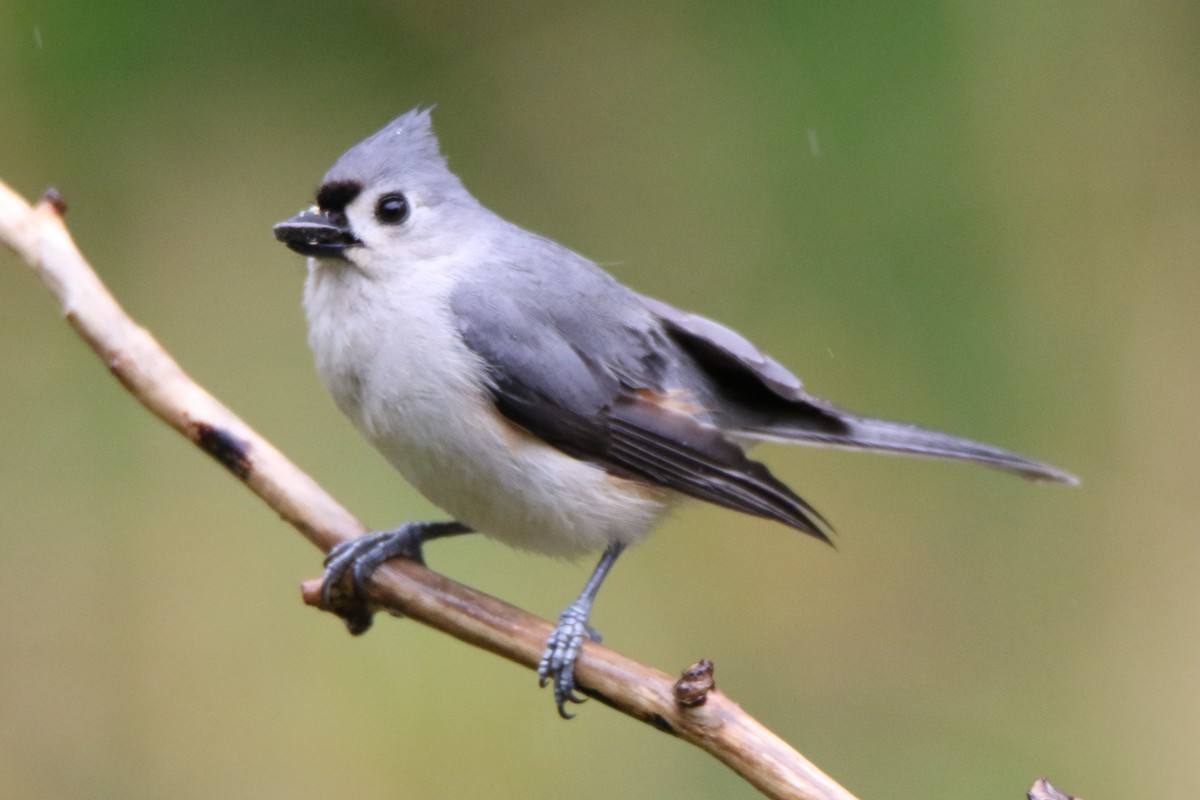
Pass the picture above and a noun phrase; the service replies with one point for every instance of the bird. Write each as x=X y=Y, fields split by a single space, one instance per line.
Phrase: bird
x=530 y=395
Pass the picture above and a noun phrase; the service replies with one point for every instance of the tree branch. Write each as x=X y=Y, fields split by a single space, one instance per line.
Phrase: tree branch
x=693 y=709
x=1042 y=789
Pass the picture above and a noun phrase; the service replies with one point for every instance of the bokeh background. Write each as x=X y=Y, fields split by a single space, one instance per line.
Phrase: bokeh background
x=980 y=217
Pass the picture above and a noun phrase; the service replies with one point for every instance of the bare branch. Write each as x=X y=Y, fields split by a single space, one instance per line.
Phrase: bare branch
x=695 y=711
x=1042 y=789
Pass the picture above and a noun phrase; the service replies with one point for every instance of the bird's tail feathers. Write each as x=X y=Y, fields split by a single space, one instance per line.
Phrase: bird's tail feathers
x=864 y=433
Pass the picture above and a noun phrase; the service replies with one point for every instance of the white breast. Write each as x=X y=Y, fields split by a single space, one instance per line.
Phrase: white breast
x=391 y=356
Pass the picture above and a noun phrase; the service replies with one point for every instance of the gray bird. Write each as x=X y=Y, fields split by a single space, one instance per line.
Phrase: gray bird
x=529 y=394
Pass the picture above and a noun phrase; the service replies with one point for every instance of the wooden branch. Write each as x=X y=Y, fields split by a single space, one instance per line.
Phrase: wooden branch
x=1042 y=789
x=692 y=709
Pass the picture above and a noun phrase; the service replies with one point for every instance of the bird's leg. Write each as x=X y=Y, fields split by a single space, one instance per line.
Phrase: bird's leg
x=362 y=556
x=564 y=642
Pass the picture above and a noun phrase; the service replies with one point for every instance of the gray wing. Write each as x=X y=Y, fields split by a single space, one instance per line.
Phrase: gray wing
x=758 y=398
x=588 y=369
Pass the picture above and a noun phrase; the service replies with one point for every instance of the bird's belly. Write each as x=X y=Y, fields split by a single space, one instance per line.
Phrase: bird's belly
x=506 y=483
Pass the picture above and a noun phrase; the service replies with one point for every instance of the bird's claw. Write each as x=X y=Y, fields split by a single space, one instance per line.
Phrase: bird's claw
x=358 y=558
x=557 y=665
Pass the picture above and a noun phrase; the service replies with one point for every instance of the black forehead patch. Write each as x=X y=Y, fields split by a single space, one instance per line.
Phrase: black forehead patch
x=336 y=195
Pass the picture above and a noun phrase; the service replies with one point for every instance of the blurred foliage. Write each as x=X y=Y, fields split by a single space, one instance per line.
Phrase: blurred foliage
x=981 y=217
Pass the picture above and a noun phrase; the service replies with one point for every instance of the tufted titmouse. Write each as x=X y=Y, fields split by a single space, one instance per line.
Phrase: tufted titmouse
x=522 y=389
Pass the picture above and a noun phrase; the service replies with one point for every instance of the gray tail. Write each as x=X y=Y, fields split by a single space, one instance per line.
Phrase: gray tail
x=862 y=433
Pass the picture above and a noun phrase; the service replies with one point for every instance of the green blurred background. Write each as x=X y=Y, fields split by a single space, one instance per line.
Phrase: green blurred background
x=980 y=217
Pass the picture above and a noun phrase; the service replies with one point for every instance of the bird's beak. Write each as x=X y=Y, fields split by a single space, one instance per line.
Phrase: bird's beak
x=314 y=232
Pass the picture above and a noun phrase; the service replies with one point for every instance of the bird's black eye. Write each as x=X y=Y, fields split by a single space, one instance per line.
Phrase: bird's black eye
x=392 y=209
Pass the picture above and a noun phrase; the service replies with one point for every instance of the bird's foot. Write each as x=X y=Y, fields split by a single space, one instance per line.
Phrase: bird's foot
x=562 y=648
x=359 y=558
